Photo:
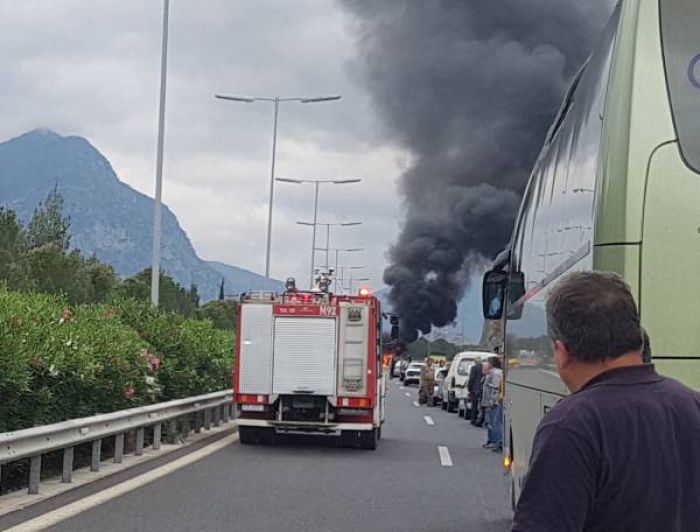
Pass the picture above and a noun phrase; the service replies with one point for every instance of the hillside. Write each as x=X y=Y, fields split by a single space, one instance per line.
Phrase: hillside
x=108 y=217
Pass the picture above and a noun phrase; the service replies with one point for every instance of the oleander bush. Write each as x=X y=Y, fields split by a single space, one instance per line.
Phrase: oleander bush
x=60 y=362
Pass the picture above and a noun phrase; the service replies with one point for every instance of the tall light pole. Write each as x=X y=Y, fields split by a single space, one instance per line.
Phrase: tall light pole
x=157 y=208
x=328 y=237
x=327 y=248
x=345 y=250
x=317 y=183
x=342 y=274
x=276 y=100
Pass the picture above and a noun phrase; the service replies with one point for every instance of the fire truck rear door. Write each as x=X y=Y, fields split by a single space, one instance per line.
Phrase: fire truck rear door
x=305 y=356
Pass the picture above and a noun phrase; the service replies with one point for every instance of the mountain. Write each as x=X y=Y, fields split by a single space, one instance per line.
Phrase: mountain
x=108 y=217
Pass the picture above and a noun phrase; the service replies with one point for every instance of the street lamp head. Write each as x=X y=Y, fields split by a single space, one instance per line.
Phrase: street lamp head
x=348 y=224
x=320 y=99
x=306 y=223
x=345 y=181
x=350 y=250
x=234 y=98
x=288 y=180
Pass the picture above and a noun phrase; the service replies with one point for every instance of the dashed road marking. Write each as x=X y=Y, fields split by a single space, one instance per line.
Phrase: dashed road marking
x=445 y=459
x=408 y=394
x=415 y=403
x=429 y=420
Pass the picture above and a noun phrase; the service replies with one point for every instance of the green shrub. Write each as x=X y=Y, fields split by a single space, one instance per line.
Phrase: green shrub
x=57 y=363
x=194 y=356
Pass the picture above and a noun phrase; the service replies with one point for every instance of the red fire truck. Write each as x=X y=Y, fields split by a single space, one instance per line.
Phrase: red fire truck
x=309 y=362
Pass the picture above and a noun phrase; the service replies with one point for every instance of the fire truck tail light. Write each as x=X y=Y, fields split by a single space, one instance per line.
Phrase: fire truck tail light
x=355 y=402
x=251 y=399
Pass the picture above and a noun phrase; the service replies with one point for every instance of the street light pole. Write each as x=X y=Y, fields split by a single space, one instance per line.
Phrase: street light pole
x=276 y=100
x=157 y=208
x=272 y=190
x=317 y=184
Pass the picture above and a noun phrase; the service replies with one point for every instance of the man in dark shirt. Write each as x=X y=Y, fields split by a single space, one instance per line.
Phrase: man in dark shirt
x=622 y=452
x=476 y=377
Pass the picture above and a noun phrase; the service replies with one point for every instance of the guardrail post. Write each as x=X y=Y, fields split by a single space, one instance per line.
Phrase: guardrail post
x=226 y=413
x=139 y=441
x=156 y=436
x=34 y=474
x=96 y=455
x=118 y=448
x=207 y=419
x=217 y=416
x=172 y=431
x=185 y=426
x=67 y=476
x=198 y=422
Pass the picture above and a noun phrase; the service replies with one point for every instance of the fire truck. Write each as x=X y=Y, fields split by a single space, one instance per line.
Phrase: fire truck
x=309 y=362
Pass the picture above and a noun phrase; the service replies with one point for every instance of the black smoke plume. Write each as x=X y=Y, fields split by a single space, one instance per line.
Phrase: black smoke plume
x=469 y=88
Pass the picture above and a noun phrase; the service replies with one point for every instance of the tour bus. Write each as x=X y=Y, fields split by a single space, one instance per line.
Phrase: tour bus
x=616 y=188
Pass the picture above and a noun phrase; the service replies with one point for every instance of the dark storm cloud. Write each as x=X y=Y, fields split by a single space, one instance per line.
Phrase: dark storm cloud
x=469 y=88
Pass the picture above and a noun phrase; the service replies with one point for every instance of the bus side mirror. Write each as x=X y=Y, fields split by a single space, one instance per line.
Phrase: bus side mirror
x=493 y=294
x=516 y=290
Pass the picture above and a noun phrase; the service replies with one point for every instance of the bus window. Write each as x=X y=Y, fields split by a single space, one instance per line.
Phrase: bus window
x=680 y=20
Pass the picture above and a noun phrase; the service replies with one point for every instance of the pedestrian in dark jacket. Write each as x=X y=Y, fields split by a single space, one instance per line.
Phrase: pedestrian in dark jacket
x=474 y=385
x=621 y=452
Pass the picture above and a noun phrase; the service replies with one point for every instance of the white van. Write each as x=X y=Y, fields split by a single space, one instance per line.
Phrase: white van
x=454 y=387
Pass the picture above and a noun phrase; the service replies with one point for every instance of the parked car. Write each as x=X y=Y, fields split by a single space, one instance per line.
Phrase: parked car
x=439 y=378
x=454 y=388
x=413 y=373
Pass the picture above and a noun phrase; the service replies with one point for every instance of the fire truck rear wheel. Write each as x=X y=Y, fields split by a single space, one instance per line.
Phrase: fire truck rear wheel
x=248 y=435
x=368 y=439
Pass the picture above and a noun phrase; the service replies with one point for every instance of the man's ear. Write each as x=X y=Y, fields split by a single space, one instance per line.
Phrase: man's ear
x=562 y=355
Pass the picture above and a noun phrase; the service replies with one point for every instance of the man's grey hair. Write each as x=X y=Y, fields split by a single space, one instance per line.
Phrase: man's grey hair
x=594 y=315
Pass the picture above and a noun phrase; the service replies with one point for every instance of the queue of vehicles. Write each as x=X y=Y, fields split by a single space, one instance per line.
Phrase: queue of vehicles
x=450 y=390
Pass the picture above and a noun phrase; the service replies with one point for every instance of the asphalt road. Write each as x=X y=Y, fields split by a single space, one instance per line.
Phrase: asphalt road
x=310 y=484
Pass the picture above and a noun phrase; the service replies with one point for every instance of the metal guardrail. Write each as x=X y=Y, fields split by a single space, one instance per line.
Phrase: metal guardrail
x=33 y=443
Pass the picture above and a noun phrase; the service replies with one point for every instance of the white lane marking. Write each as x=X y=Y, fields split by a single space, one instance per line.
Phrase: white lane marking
x=429 y=420
x=403 y=388
x=71 y=510
x=445 y=459
x=408 y=394
x=415 y=403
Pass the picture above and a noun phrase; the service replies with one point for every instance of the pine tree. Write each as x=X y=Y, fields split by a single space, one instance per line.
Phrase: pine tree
x=48 y=226
x=221 y=290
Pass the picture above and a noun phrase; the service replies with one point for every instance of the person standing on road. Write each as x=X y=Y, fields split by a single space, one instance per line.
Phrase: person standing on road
x=621 y=452
x=476 y=375
x=427 y=383
x=498 y=414
x=489 y=396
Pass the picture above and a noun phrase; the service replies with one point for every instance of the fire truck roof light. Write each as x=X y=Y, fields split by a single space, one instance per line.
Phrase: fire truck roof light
x=365 y=292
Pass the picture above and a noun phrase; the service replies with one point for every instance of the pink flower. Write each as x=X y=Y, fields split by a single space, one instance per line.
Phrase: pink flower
x=129 y=391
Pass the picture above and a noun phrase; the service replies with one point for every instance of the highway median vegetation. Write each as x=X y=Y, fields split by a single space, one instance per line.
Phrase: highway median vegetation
x=75 y=340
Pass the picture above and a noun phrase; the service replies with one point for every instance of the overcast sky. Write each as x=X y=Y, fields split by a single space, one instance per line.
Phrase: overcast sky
x=91 y=68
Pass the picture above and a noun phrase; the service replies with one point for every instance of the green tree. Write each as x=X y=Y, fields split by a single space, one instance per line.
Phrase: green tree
x=172 y=296
x=223 y=314
x=13 y=251
x=48 y=226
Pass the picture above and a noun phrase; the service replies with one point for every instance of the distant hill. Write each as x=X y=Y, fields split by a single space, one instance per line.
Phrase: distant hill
x=108 y=217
